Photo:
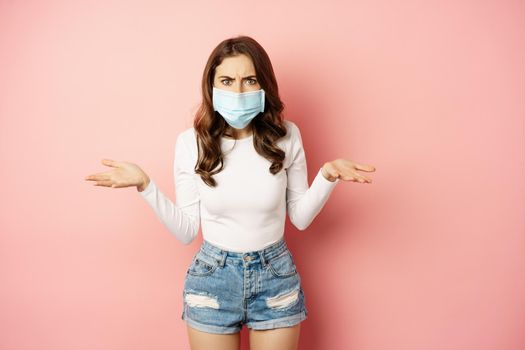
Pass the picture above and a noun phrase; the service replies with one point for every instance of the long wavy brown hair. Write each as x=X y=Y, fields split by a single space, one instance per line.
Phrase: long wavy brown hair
x=210 y=126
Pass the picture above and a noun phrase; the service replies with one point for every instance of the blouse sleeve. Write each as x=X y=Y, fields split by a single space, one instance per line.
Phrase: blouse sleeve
x=304 y=203
x=183 y=218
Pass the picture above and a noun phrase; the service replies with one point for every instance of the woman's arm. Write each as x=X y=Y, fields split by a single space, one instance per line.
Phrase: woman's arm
x=304 y=203
x=182 y=219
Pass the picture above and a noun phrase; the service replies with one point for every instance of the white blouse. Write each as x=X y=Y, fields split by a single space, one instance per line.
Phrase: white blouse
x=246 y=211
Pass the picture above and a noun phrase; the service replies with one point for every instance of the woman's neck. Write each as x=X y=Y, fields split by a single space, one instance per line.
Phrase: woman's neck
x=239 y=133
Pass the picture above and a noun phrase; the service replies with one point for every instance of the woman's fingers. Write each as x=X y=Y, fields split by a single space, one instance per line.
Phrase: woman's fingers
x=123 y=174
x=347 y=170
x=364 y=167
x=359 y=178
x=354 y=176
x=99 y=177
x=110 y=162
x=105 y=176
x=104 y=183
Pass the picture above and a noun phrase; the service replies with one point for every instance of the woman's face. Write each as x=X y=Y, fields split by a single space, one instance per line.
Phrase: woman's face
x=236 y=74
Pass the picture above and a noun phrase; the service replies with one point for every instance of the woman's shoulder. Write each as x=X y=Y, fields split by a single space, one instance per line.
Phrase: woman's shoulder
x=188 y=136
x=188 y=140
x=289 y=124
x=292 y=131
x=292 y=127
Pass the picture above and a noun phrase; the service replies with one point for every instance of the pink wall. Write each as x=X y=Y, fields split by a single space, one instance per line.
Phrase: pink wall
x=431 y=255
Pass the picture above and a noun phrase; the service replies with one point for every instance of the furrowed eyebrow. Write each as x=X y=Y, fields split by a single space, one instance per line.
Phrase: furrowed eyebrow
x=249 y=76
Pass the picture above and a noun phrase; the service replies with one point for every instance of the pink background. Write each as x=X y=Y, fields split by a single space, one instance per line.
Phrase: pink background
x=431 y=255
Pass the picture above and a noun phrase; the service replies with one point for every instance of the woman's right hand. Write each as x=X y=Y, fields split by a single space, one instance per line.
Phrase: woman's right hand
x=124 y=174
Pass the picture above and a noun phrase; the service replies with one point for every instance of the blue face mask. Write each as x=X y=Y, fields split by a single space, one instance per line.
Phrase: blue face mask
x=238 y=109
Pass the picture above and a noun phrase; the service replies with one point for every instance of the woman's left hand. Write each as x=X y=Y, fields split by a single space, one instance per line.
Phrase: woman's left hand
x=346 y=170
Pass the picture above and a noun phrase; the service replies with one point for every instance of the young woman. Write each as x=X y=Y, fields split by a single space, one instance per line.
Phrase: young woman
x=238 y=170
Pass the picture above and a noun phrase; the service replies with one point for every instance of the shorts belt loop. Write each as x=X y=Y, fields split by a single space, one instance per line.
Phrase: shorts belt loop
x=263 y=258
x=222 y=261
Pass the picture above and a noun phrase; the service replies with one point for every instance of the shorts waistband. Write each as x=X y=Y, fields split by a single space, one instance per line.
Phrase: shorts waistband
x=274 y=249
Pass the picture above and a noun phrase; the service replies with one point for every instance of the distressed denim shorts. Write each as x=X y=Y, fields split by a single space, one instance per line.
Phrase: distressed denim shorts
x=224 y=290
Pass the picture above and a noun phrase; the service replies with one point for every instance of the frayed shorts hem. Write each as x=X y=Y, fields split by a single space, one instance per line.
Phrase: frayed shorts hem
x=288 y=321
x=211 y=328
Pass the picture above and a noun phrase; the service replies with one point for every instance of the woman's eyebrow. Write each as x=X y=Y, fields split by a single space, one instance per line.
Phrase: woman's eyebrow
x=249 y=76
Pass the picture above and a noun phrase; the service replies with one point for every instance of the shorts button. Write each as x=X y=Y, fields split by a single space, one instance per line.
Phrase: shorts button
x=248 y=258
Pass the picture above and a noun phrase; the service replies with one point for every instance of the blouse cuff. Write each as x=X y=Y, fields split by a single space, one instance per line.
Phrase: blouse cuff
x=324 y=182
x=150 y=188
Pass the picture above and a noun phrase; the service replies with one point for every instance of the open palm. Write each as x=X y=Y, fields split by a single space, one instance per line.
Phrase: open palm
x=123 y=174
x=347 y=170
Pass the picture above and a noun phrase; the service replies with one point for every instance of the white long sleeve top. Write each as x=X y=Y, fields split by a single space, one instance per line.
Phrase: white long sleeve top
x=246 y=211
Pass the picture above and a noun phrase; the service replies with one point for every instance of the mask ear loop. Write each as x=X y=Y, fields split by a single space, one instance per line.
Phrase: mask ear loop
x=262 y=100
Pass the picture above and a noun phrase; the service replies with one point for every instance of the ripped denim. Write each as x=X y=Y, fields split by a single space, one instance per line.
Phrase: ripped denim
x=224 y=290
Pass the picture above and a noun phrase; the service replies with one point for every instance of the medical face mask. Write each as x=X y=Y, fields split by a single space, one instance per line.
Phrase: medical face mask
x=238 y=109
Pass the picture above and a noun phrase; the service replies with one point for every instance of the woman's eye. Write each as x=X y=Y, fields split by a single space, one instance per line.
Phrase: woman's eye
x=227 y=81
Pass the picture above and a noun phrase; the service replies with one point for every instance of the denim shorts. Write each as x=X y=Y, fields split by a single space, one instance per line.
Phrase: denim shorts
x=224 y=290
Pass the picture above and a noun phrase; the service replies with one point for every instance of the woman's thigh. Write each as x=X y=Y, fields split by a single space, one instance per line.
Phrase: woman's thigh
x=203 y=341
x=284 y=338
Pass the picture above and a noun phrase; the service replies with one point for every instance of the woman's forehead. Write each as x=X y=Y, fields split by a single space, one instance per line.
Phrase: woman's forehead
x=240 y=65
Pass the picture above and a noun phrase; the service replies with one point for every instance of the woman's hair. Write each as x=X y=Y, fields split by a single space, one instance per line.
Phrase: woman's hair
x=267 y=126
